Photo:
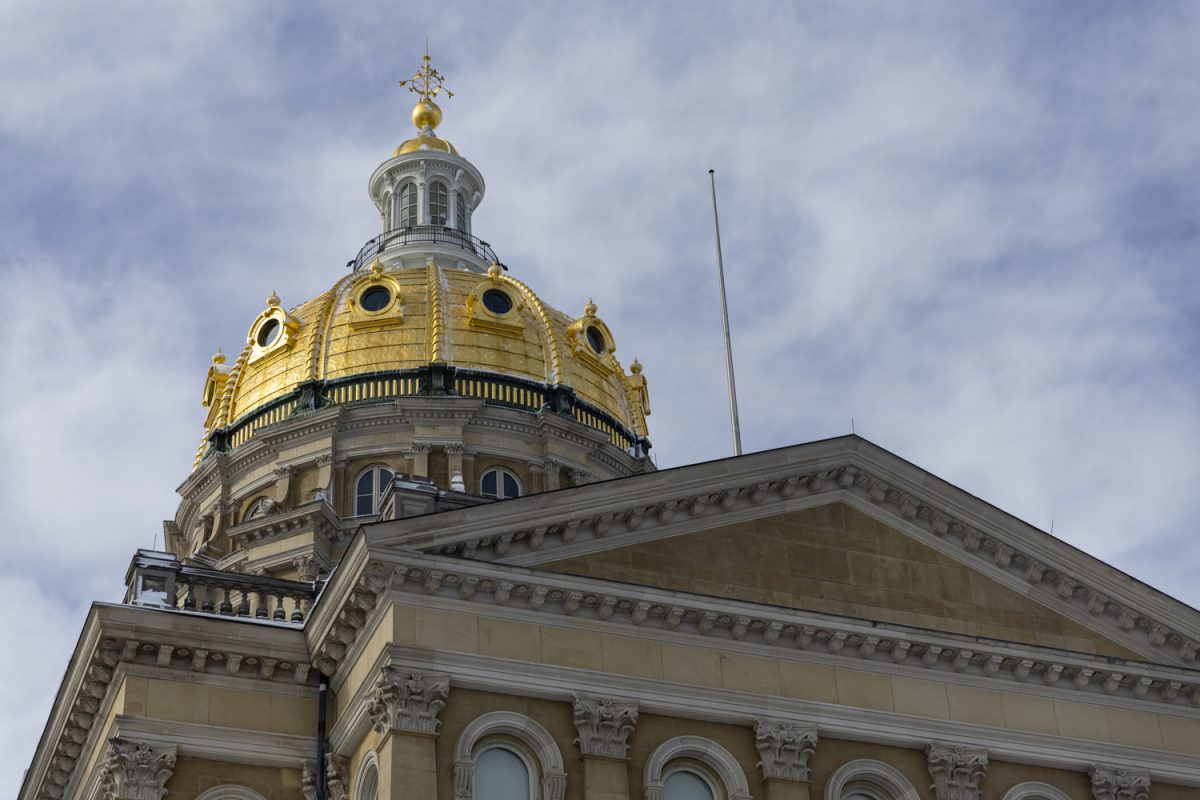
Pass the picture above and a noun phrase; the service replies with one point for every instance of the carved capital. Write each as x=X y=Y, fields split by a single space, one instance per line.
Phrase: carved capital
x=308 y=567
x=956 y=771
x=784 y=749
x=336 y=778
x=1120 y=783
x=136 y=771
x=604 y=726
x=407 y=701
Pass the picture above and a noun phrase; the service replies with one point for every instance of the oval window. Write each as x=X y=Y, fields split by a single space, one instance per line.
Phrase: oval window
x=595 y=338
x=497 y=302
x=375 y=299
x=268 y=333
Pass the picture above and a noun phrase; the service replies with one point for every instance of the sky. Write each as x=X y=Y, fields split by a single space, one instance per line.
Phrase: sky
x=968 y=231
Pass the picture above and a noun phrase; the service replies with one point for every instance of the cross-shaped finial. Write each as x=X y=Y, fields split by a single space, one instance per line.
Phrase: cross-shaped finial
x=427 y=81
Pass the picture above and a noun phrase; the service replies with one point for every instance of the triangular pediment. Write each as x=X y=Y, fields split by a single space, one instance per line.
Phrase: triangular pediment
x=1003 y=564
x=837 y=560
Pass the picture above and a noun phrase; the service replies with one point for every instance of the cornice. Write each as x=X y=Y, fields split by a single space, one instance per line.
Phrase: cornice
x=642 y=508
x=316 y=516
x=380 y=576
x=117 y=637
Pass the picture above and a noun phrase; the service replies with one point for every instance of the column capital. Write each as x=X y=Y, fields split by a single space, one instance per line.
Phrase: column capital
x=784 y=749
x=336 y=778
x=604 y=725
x=407 y=701
x=136 y=771
x=956 y=771
x=1119 y=783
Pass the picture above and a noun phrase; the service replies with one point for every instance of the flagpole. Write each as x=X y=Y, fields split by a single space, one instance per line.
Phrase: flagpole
x=733 y=409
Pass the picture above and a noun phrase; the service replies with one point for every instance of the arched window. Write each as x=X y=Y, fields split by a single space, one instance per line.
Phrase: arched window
x=368 y=488
x=367 y=785
x=1034 y=790
x=460 y=211
x=672 y=774
x=499 y=483
x=229 y=792
x=502 y=774
x=866 y=779
x=507 y=756
x=408 y=206
x=688 y=784
x=259 y=508
x=439 y=204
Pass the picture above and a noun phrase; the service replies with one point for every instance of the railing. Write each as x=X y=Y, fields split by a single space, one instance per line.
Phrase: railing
x=158 y=579
x=434 y=380
x=421 y=234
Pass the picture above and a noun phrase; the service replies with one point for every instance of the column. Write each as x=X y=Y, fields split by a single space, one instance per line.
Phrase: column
x=604 y=726
x=956 y=771
x=454 y=466
x=783 y=751
x=337 y=782
x=404 y=707
x=136 y=771
x=1119 y=783
x=552 y=470
x=420 y=459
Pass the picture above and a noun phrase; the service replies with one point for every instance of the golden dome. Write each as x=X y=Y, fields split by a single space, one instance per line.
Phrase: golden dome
x=425 y=143
x=376 y=328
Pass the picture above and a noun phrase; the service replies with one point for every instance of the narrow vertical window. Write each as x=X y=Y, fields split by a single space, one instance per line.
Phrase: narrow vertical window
x=500 y=774
x=369 y=488
x=460 y=212
x=408 y=205
x=439 y=204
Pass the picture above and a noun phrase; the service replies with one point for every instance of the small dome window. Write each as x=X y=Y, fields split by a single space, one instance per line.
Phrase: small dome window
x=439 y=204
x=499 y=483
x=596 y=339
x=497 y=302
x=408 y=205
x=268 y=333
x=375 y=298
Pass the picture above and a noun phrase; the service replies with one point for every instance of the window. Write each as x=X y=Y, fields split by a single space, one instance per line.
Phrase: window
x=259 y=508
x=439 y=204
x=497 y=302
x=866 y=779
x=369 y=488
x=499 y=483
x=460 y=212
x=686 y=784
x=368 y=784
x=375 y=298
x=408 y=206
x=268 y=333
x=501 y=774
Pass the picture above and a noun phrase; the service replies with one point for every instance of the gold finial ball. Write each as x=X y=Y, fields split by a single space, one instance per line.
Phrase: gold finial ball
x=636 y=367
x=273 y=300
x=495 y=271
x=218 y=357
x=426 y=114
x=590 y=309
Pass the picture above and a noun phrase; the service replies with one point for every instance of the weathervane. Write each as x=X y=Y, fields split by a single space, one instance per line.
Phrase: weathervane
x=427 y=81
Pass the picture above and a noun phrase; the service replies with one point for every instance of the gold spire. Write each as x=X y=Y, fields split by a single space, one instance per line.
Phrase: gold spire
x=426 y=115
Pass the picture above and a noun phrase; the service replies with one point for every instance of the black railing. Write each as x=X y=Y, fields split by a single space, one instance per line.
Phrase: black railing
x=433 y=380
x=421 y=234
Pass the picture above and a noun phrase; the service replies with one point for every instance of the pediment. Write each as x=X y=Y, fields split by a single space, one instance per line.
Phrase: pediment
x=1016 y=564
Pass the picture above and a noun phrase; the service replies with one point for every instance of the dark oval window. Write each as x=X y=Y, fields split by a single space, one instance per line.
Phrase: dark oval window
x=375 y=299
x=595 y=338
x=497 y=301
x=268 y=333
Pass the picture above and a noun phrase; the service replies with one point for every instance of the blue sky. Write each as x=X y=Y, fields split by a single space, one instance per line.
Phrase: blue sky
x=973 y=228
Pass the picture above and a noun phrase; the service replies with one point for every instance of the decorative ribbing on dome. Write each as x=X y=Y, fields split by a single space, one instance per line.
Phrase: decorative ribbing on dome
x=556 y=372
x=437 y=323
x=314 y=347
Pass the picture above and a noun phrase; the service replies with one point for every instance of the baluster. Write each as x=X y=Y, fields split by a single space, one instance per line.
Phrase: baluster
x=189 y=600
x=297 y=613
x=209 y=590
x=243 y=609
x=226 y=606
x=279 y=614
x=260 y=611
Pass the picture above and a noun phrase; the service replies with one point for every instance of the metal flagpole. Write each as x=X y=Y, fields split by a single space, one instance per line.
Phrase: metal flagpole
x=733 y=409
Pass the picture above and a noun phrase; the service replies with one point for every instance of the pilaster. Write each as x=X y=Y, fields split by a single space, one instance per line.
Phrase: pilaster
x=420 y=459
x=136 y=771
x=956 y=771
x=404 y=708
x=454 y=466
x=604 y=726
x=783 y=751
x=1119 y=783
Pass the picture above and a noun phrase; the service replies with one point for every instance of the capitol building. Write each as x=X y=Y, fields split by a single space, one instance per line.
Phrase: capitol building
x=424 y=553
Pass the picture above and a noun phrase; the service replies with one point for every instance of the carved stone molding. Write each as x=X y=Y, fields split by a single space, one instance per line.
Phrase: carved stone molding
x=337 y=780
x=784 y=749
x=1120 y=783
x=407 y=701
x=604 y=726
x=136 y=771
x=956 y=771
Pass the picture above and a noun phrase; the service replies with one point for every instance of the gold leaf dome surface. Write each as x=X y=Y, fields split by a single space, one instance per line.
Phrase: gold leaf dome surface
x=433 y=315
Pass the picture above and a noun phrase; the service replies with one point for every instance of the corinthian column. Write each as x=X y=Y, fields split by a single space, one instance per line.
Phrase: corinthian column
x=1120 y=783
x=404 y=708
x=783 y=751
x=136 y=771
x=956 y=771
x=604 y=726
